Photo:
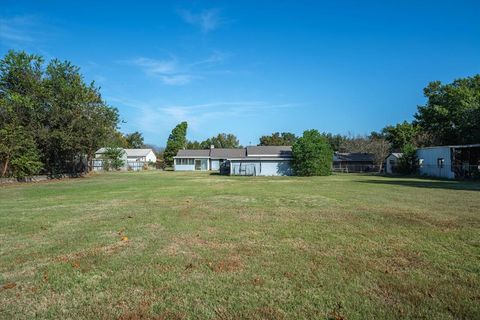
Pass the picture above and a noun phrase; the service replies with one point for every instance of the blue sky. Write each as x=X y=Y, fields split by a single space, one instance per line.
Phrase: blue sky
x=254 y=67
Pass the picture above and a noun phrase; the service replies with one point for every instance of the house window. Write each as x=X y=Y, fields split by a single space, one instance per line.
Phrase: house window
x=420 y=163
x=440 y=162
x=392 y=162
x=184 y=161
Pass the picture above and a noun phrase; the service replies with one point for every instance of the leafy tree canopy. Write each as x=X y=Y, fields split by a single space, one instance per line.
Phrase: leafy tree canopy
x=222 y=140
x=59 y=116
x=334 y=140
x=452 y=112
x=401 y=134
x=312 y=155
x=408 y=162
x=134 y=140
x=112 y=158
x=278 y=139
x=176 y=141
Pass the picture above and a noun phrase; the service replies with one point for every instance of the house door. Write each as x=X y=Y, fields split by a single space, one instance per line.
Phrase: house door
x=198 y=164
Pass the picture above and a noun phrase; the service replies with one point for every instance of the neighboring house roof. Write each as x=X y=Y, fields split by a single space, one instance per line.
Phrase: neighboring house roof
x=353 y=157
x=137 y=152
x=129 y=152
x=269 y=151
x=102 y=150
x=223 y=153
x=476 y=145
x=395 y=154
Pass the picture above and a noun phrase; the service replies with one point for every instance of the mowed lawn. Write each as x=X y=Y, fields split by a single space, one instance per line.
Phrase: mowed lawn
x=204 y=246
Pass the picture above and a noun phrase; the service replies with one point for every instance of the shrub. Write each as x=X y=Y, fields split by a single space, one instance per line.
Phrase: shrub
x=112 y=158
x=312 y=155
x=408 y=162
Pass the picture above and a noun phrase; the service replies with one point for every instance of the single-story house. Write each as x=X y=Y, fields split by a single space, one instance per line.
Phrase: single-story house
x=391 y=162
x=353 y=162
x=252 y=160
x=133 y=159
x=451 y=162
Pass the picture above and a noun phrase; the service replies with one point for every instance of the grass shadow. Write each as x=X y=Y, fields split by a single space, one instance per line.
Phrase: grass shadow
x=435 y=184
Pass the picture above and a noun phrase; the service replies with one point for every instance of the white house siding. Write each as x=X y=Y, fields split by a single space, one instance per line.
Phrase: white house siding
x=429 y=166
x=205 y=166
x=184 y=167
x=261 y=167
x=151 y=157
x=215 y=164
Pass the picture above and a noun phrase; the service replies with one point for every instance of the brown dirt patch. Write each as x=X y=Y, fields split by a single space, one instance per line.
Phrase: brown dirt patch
x=231 y=264
x=9 y=285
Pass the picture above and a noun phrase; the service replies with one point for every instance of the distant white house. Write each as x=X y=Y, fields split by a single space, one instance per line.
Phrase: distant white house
x=391 y=162
x=133 y=159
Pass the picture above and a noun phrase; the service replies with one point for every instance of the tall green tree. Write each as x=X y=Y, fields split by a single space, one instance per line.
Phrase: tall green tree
x=334 y=140
x=18 y=152
x=195 y=145
x=134 y=140
x=312 y=155
x=278 y=139
x=78 y=120
x=176 y=141
x=21 y=114
x=452 y=112
x=222 y=140
x=66 y=118
x=401 y=135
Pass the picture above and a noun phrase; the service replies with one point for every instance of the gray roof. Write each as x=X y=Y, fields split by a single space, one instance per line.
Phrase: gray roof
x=194 y=153
x=222 y=153
x=129 y=152
x=137 y=152
x=353 y=157
x=103 y=150
x=239 y=153
x=270 y=151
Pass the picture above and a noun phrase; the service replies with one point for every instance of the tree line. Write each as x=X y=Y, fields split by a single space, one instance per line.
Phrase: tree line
x=51 y=120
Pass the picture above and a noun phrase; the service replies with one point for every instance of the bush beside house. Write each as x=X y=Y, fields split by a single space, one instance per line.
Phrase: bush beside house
x=312 y=155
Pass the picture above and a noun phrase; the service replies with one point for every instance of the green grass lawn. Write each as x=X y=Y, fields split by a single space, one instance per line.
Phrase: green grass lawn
x=204 y=246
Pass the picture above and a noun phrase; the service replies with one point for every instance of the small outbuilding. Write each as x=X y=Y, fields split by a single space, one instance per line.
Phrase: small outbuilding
x=391 y=162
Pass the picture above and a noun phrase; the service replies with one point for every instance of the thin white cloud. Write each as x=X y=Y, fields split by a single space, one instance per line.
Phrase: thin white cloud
x=23 y=31
x=156 y=66
x=171 y=72
x=151 y=116
x=207 y=20
x=215 y=58
x=177 y=80
x=168 y=70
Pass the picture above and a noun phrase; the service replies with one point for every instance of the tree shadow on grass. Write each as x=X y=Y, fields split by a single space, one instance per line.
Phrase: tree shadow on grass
x=430 y=184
